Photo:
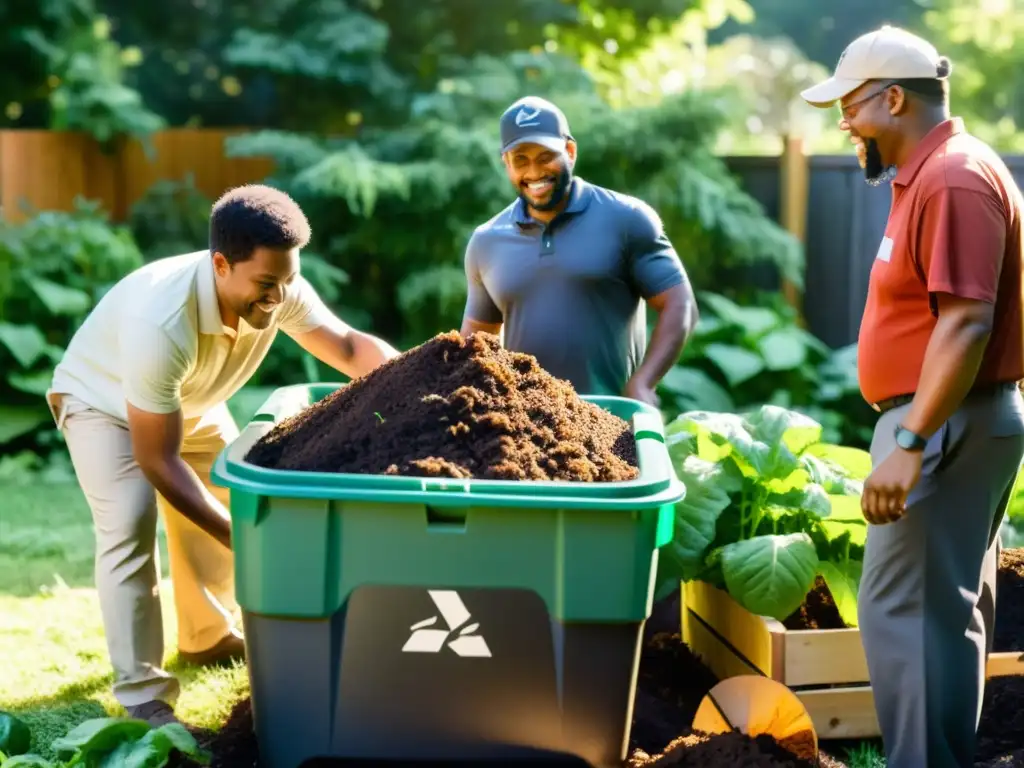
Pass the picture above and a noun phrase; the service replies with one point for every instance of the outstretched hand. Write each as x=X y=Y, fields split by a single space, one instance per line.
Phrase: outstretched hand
x=642 y=392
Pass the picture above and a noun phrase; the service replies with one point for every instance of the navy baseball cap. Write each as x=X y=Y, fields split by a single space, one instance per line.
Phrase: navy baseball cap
x=533 y=120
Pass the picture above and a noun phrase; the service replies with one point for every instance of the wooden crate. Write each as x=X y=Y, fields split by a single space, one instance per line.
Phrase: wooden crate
x=826 y=668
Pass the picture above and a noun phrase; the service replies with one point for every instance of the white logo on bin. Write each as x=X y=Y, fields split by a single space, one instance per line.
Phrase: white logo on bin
x=454 y=613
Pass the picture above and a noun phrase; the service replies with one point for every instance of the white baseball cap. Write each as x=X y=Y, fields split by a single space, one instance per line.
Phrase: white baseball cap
x=889 y=53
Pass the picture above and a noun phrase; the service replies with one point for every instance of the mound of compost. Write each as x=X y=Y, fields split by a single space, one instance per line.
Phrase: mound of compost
x=455 y=407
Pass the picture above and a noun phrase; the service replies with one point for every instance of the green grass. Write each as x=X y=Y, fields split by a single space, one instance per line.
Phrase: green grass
x=56 y=669
x=865 y=755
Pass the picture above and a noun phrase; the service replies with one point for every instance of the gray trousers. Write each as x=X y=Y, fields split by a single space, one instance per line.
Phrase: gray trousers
x=927 y=595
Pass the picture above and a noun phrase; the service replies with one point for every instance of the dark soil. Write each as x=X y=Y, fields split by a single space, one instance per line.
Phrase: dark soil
x=1002 y=720
x=818 y=611
x=727 y=749
x=1009 y=635
x=455 y=407
x=671 y=684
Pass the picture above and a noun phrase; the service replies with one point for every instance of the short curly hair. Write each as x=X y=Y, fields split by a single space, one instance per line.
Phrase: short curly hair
x=253 y=216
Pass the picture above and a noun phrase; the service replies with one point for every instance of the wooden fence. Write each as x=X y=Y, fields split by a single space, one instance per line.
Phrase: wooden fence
x=47 y=170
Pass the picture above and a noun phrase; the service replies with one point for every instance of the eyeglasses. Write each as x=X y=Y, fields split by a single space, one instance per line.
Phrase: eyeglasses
x=845 y=111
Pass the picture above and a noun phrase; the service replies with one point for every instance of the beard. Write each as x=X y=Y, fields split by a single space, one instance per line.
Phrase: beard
x=558 y=192
x=876 y=172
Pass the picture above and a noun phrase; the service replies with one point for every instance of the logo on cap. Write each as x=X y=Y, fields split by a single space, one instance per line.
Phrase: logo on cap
x=526 y=117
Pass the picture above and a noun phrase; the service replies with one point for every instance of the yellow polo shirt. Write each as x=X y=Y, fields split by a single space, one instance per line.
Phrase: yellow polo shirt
x=156 y=340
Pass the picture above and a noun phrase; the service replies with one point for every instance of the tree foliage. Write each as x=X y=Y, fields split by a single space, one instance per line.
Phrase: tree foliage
x=986 y=89
x=395 y=206
x=67 y=73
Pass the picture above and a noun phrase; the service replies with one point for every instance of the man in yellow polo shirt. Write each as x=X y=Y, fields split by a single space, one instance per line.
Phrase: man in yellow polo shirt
x=140 y=397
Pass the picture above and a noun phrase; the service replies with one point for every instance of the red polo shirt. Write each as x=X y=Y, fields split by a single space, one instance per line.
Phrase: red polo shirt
x=954 y=227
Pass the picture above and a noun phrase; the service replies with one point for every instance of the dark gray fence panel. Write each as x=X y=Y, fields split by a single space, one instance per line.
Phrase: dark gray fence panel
x=845 y=223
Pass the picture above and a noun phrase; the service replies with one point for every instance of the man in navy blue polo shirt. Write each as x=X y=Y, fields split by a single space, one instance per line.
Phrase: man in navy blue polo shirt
x=568 y=268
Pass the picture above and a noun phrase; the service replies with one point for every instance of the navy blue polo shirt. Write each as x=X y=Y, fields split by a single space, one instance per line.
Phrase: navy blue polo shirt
x=572 y=292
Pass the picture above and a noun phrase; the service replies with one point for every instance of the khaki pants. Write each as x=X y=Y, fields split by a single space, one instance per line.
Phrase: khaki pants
x=124 y=510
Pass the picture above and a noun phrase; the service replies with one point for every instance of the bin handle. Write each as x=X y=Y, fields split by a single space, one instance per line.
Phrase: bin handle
x=444 y=485
x=648 y=426
x=284 y=402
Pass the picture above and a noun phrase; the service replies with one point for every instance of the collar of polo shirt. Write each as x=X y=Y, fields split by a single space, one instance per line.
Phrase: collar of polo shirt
x=926 y=147
x=210 y=321
x=579 y=198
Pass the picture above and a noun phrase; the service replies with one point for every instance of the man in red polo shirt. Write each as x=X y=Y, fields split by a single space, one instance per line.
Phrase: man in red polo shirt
x=940 y=353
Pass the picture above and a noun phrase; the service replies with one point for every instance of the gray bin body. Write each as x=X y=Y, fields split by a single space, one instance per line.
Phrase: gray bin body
x=356 y=685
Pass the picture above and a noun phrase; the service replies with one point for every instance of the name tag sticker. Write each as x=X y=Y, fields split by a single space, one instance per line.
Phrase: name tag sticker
x=885 y=249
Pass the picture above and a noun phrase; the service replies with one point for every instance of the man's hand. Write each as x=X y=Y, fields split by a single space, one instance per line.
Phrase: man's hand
x=887 y=487
x=156 y=445
x=677 y=317
x=640 y=390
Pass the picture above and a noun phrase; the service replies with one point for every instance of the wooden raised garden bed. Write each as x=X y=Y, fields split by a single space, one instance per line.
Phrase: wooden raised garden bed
x=826 y=668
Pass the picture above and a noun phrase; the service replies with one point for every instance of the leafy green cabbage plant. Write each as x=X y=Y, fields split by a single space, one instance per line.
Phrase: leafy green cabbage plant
x=768 y=508
x=105 y=742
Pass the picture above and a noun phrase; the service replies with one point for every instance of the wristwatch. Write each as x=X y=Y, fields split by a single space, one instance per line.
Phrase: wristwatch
x=909 y=441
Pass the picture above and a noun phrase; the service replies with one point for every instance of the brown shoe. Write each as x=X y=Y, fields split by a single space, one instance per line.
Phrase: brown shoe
x=156 y=713
x=230 y=648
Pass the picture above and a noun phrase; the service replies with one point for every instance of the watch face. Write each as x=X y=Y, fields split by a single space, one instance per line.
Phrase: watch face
x=908 y=440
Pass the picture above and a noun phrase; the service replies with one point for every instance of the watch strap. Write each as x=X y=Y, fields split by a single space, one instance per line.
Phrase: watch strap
x=910 y=441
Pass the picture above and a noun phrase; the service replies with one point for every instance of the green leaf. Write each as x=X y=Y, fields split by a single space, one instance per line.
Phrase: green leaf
x=783 y=349
x=184 y=742
x=17 y=421
x=845 y=508
x=770 y=575
x=774 y=425
x=847 y=519
x=843 y=580
x=811 y=498
x=707 y=494
x=695 y=390
x=100 y=735
x=754 y=321
x=857 y=530
x=726 y=430
x=25 y=342
x=154 y=749
x=132 y=754
x=31 y=383
x=736 y=364
x=28 y=761
x=60 y=299
x=830 y=477
x=15 y=736
x=856 y=462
